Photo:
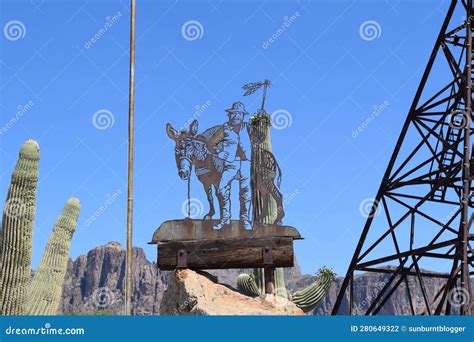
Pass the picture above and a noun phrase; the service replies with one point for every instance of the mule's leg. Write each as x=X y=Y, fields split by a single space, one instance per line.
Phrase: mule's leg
x=210 y=199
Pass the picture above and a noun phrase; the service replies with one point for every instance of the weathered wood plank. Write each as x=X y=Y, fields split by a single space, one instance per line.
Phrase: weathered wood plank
x=188 y=229
x=227 y=253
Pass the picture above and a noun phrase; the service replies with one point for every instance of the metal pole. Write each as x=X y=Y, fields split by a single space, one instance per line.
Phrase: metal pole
x=466 y=193
x=128 y=260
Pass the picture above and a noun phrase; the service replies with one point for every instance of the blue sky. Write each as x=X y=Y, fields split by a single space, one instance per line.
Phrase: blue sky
x=329 y=76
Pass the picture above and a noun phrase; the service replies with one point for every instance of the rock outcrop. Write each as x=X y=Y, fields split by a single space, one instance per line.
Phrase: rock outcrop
x=190 y=293
x=94 y=283
x=368 y=285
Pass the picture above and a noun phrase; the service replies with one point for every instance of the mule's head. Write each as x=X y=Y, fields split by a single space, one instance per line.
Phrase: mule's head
x=184 y=148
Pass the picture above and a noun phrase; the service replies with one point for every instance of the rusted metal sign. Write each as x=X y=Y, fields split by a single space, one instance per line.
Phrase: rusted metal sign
x=232 y=156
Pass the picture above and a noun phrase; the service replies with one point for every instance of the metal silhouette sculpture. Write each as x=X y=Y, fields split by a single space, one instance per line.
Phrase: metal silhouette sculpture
x=235 y=155
x=221 y=156
x=266 y=173
x=267 y=181
x=200 y=151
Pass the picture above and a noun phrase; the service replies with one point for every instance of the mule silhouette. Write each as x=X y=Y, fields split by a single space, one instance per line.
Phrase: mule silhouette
x=201 y=151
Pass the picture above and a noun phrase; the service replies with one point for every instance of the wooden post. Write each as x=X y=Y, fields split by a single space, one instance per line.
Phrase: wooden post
x=270 y=280
x=128 y=260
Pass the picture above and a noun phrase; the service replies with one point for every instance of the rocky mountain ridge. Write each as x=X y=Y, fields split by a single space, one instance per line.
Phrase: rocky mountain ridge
x=94 y=284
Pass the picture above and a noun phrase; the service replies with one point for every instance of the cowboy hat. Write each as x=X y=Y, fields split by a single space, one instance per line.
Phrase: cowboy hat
x=237 y=107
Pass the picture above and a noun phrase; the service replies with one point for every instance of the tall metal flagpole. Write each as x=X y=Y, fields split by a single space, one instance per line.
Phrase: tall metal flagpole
x=128 y=260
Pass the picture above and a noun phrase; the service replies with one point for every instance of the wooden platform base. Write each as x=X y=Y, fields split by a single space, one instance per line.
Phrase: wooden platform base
x=196 y=245
x=187 y=229
x=226 y=253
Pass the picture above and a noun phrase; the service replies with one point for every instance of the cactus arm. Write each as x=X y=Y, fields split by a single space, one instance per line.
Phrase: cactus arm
x=308 y=298
x=16 y=234
x=280 y=283
x=259 y=277
x=255 y=284
x=44 y=293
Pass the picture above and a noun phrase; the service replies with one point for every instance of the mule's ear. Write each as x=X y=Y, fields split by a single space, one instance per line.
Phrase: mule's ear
x=193 y=128
x=172 y=133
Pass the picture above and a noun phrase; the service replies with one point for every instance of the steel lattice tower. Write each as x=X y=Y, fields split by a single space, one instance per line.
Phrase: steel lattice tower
x=420 y=217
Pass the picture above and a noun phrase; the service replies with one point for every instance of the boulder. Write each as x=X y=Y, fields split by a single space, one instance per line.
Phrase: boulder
x=190 y=293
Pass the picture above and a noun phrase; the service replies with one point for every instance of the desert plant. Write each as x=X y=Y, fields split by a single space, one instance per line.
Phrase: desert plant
x=308 y=298
x=16 y=240
x=261 y=118
x=44 y=293
x=279 y=281
x=16 y=233
x=246 y=284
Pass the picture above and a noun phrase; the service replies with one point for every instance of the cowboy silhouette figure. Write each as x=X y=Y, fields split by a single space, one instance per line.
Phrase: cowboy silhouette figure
x=236 y=154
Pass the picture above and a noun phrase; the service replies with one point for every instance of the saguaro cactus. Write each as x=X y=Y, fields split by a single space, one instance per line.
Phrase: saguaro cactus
x=308 y=298
x=44 y=293
x=261 y=123
x=16 y=233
